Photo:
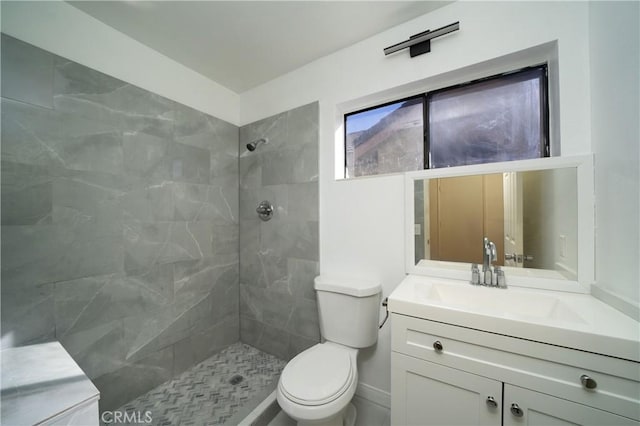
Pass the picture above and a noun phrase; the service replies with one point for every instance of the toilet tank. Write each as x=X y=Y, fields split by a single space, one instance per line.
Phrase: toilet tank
x=349 y=311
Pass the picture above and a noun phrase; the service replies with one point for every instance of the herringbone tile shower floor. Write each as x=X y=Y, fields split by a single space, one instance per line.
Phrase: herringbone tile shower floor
x=205 y=394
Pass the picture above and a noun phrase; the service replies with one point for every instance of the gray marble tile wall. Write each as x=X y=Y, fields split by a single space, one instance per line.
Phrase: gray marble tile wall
x=120 y=223
x=279 y=258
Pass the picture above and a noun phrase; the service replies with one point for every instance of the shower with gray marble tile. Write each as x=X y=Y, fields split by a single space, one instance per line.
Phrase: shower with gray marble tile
x=129 y=230
x=279 y=258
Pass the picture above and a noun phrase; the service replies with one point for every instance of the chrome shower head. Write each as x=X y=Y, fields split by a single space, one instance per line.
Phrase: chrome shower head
x=251 y=146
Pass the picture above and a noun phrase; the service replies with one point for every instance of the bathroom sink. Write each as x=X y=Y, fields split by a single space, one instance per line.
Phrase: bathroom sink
x=574 y=320
x=509 y=303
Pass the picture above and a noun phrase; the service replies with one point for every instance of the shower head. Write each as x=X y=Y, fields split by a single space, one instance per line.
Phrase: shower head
x=251 y=146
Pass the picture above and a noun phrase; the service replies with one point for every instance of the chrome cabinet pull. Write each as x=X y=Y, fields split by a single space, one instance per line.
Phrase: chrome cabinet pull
x=437 y=346
x=516 y=410
x=491 y=402
x=588 y=382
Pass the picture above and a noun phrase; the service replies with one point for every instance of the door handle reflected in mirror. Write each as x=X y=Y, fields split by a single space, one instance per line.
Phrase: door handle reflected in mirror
x=519 y=258
x=509 y=256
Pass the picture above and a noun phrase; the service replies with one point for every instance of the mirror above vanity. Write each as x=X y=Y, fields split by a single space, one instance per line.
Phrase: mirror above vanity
x=538 y=214
x=530 y=216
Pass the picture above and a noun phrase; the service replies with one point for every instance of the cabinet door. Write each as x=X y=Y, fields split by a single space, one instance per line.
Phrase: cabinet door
x=535 y=408
x=425 y=393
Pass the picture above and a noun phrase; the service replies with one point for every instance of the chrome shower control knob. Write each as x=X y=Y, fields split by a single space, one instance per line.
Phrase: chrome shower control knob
x=516 y=410
x=265 y=210
x=491 y=402
x=437 y=346
x=588 y=382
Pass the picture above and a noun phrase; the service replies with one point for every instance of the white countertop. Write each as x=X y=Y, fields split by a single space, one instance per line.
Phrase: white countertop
x=573 y=320
x=41 y=381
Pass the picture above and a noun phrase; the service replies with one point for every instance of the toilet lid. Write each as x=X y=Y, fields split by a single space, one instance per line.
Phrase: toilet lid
x=318 y=375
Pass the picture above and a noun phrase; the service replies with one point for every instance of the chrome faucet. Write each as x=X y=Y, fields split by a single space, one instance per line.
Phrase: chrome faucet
x=489 y=255
x=488 y=278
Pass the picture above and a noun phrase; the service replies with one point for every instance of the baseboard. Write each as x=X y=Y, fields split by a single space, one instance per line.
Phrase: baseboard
x=375 y=395
x=566 y=271
x=624 y=305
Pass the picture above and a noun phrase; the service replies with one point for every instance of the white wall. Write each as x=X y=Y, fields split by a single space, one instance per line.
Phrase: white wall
x=615 y=90
x=361 y=221
x=550 y=210
x=62 y=29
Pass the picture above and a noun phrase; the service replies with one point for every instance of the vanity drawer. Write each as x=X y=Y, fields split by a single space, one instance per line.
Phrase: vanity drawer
x=549 y=369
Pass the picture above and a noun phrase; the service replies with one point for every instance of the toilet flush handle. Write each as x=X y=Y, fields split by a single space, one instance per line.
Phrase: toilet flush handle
x=385 y=302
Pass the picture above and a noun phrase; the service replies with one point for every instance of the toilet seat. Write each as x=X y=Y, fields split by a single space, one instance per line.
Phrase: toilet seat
x=318 y=375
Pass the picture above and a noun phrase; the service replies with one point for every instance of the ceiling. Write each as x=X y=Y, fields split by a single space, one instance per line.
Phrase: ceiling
x=242 y=44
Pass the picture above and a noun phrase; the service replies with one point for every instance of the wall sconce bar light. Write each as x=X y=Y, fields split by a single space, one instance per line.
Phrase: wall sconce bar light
x=421 y=43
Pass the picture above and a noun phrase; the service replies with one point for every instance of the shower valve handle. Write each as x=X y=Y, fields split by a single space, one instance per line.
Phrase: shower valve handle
x=265 y=210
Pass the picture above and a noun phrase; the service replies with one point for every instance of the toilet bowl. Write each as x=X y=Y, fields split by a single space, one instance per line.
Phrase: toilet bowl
x=316 y=386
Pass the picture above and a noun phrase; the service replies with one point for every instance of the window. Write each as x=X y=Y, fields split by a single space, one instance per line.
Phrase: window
x=499 y=118
x=385 y=139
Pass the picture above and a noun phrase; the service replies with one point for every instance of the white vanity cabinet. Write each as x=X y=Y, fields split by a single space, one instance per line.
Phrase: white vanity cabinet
x=426 y=393
x=536 y=408
x=444 y=374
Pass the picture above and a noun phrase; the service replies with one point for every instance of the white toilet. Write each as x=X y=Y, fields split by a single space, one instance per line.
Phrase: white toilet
x=316 y=387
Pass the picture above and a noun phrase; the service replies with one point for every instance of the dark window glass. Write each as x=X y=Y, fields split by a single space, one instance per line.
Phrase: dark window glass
x=498 y=119
x=385 y=139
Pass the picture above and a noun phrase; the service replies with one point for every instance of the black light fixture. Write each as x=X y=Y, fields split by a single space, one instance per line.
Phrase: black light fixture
x=421 y=43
